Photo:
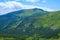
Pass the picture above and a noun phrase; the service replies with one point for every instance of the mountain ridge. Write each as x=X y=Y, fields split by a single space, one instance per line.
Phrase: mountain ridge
x=35 y=23
x=24 y=10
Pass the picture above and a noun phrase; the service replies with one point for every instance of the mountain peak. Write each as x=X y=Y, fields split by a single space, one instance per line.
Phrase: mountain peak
x=38 y=9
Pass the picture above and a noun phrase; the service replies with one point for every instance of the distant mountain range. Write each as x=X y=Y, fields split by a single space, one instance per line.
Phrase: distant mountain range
x=35 y=23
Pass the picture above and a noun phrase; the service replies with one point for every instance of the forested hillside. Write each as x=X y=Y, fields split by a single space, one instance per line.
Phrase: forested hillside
x=30 y=24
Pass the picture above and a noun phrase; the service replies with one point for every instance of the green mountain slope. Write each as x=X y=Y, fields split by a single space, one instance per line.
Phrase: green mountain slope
x=15 y=18
x=51 y=19
x=31 y=24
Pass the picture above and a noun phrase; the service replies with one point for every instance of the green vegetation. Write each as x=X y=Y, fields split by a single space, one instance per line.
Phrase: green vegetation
x=30 y=24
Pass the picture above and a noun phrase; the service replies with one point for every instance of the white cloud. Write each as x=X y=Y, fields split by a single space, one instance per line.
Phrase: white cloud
x=32 y=0
x=31 y=6
x=10 y=6
x=6 y=7
x=47 y=9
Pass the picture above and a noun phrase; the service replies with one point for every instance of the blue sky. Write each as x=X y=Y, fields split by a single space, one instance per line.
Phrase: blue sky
x=9 y=5
x=52 y=4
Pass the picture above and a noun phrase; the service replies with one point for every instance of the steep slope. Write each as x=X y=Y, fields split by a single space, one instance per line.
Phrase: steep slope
x=31 y=23
x=11 y=18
